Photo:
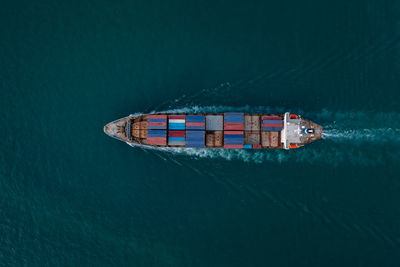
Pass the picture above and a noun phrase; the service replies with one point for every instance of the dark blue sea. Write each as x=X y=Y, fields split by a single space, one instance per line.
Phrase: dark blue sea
x=72 y=196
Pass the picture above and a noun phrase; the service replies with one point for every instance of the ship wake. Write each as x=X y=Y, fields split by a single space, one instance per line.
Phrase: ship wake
x=350 y=137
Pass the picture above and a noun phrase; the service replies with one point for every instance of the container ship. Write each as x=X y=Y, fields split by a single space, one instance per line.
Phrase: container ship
x=216 y=130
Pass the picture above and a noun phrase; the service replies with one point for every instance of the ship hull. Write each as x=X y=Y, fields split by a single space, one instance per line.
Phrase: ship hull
x=216 y=130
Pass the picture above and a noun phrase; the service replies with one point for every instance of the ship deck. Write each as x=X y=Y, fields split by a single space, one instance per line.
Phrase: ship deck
x=216 y=130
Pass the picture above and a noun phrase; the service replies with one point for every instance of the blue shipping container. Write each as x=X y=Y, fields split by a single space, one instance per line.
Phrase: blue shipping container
x=233 y=139
x=234 y=119
x=157 y=120
x=156 y=133
x=195 y=118
x=195 y=139
x=272 y=121
x=176 y=126
x=176 y=138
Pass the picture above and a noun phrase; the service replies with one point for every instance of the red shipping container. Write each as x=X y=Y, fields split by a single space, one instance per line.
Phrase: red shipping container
x=256 y=146
x=174 y=117
x=233 y=126
x=272 y=125
x=176 y=133
x=271 y=118
x=233 y=146
x=156 y=140
x=157 y=123
x=156 y=116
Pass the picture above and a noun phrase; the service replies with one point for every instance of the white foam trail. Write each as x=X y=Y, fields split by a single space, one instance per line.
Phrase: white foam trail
x=346 y=129
x=221 y=109
x=323 y=153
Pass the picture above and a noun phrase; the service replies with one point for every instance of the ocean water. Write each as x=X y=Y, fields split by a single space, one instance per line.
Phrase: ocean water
x=72 y=196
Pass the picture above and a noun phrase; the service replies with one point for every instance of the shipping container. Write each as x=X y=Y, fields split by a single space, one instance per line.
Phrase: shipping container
x=156 y=141
x=176 y=122
x=195 y=138
x=233 y=138
x=136 y=126
x=156 y=122
x=136 y=133
x=156 y=133
x=143 y=125
x=234 y=126
x=270 y=139
x=157 y=137
x=252 y=123
x=176 y=133
x=233 y=121
x=219 y=138
x=195 y=122
x=142 y=133
x=210 y=139
x=252 y=138
x=272 y=123
x=214 y=138
x=269 y=117
x=214 y=122
x=176 y=138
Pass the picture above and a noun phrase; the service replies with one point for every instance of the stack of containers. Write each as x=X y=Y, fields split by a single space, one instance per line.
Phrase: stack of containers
x=143 y=129
x=272 y=123
x=252 y=139
x=214 y=138
x=233 y=139
x=176 y=138
x=214 y=122
x=251 y=122
x=176 y=122
x=233 y=121
x=195 y=138
x=157 y=137
x=195 y=122
x=156 y=122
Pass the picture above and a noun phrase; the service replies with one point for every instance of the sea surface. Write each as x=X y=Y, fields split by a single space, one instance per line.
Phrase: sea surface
x=72 y=196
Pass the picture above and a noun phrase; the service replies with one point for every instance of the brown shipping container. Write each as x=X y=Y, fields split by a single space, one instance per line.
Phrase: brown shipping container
x=270 y=139
x=255 y=123
x=143 y=125
x=251 y=123
x=136 y=126
x=210 y=139
x=135 y=133
x=251 y=138
x=219 y=139
x=214 y=139
x=143 y=133
x=274 y=139
x=265 y=139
